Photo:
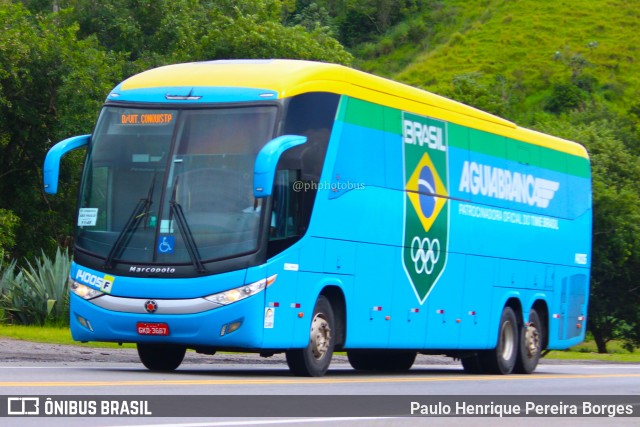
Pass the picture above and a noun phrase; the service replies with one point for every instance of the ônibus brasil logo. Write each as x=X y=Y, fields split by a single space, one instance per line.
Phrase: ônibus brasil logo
x=426 y=222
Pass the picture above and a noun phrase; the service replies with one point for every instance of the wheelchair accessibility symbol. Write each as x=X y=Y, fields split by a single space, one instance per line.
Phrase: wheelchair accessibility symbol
x=166 y=244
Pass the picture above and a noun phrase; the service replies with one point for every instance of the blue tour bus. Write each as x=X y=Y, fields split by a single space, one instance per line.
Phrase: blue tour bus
x=290 y=206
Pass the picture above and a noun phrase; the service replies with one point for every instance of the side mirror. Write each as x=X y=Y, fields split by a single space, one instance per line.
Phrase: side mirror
x=52 y=161
x=264 y=169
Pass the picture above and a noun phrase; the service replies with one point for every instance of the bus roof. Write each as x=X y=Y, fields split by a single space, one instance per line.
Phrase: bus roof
x=293 y=77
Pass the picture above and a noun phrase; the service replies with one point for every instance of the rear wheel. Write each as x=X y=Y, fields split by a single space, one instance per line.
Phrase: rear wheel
x=381 y=360
x=531 y=338
x=161 y=357
x=502 y=359
x=315 y=358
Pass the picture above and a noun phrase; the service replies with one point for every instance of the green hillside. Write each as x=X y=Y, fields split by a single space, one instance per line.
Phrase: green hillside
x=530 y=45
x=567 y=68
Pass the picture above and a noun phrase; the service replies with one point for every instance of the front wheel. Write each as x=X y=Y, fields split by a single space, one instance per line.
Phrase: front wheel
x=161 y=357
x=315 y=358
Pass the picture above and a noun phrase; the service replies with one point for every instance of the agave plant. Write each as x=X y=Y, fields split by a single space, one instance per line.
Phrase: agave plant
x=16 y=301
x=20 y=304
x=38 y=292
x=48 y=280
x=7 y=275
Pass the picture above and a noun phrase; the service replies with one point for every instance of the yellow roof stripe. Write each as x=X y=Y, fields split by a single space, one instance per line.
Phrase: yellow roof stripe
x=291 y=77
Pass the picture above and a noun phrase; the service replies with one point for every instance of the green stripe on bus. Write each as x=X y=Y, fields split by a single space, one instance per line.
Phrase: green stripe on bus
x=367 y=114
x=378 y=117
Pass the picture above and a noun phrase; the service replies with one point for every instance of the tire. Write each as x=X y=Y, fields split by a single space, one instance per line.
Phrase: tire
x=161 y=357
x=502 y=359
x=531 y=339
x=381 y=360
x=361 y=360
x=473 y=364
x=315 y=358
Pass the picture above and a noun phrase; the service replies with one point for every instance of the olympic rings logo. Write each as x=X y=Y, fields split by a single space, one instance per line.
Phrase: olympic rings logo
x=425 y=254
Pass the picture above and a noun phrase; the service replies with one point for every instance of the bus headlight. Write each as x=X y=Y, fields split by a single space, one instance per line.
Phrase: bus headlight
x=83 y=291
x=242 y=292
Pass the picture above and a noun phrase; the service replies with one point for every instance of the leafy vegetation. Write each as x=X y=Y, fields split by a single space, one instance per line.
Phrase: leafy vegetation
x=8 y=223
x=565 y=69
x=51 y=86
x=533 y=45
x=353 y=22
x=36 y=294
x=57 y=68
x=613 y=309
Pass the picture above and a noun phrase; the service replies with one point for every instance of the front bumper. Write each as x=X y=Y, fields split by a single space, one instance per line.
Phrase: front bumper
x=90 y=322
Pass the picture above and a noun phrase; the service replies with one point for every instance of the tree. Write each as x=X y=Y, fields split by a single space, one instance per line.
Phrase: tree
x=57 y=67
x=614 y=304
x=51 y=86
x=494 y=98
x=8 y=223
x=354 y=21
x=565 y=97
x=312 y=17
x=169 y=31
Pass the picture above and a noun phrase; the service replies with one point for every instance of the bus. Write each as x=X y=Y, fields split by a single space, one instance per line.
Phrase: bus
x=296 y=207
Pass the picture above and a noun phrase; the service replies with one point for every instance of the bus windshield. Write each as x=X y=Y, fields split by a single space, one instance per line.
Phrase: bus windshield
x=172 y=186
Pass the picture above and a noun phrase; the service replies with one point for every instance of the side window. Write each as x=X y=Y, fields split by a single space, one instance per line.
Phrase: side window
x=285 y=213
x=311 y=115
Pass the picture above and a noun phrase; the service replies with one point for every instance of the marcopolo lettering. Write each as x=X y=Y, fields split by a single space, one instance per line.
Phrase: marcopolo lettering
x=136 y=269
x=504 y=184
x=421 y=134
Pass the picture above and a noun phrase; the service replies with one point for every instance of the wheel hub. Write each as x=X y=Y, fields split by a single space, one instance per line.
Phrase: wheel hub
x=508 y=341
x=532 y=340
x=320 y=336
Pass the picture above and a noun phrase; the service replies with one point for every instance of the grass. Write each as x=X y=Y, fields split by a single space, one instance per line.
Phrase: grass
x=62 y=335
x=587 y=351
x=50 y=335
x=610 y=357
x=518 y=40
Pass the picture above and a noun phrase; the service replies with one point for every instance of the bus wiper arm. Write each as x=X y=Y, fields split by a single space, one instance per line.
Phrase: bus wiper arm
x=139 y=212
x=176 y=211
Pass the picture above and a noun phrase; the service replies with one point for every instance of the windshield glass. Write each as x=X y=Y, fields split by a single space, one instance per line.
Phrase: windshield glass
x=172 y=186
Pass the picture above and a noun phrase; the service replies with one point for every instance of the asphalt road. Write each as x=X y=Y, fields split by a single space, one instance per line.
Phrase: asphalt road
x=245 y=381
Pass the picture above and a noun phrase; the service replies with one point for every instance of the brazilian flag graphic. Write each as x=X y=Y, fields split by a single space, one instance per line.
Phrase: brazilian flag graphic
x=426 y=226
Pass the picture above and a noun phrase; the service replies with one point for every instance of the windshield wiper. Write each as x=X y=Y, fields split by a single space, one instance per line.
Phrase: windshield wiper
x=175 y=210
x=139 y=212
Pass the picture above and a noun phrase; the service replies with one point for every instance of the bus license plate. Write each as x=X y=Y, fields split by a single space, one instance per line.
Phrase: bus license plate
x=153 y=328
